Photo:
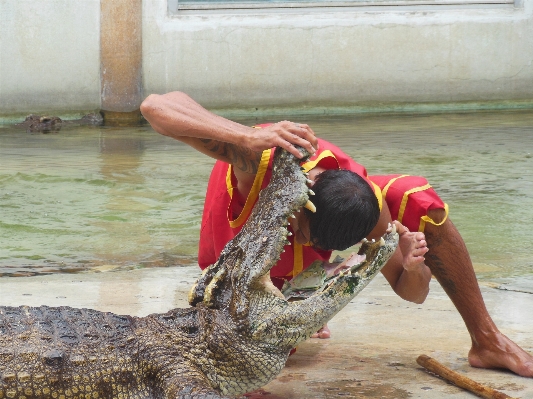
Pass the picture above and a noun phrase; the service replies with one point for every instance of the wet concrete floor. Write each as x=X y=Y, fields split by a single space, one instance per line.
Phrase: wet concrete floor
x=375 y=339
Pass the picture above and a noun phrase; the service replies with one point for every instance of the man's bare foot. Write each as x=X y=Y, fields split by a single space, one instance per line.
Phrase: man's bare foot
x=412 y=245
x=323 y=333
x=502 y=353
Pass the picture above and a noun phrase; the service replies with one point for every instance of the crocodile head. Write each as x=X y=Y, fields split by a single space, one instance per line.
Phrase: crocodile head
x=239 y=288
x=244 y=264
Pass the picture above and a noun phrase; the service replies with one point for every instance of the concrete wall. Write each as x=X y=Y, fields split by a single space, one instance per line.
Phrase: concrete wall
x=351 y=57
x=49 y=55
x=362 y=56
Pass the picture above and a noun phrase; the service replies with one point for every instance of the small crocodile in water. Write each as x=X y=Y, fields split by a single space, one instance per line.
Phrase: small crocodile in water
x=53 y=124
x=235 y=338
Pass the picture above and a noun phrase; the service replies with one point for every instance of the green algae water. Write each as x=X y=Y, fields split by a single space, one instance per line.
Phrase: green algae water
x=98 y=198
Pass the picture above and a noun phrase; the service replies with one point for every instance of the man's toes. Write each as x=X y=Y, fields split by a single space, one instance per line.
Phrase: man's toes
x=324 y=334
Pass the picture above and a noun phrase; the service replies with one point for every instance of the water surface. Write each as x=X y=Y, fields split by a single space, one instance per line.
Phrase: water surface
x=98 y=198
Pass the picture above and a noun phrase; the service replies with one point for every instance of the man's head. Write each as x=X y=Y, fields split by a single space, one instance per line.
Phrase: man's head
x=347 y=210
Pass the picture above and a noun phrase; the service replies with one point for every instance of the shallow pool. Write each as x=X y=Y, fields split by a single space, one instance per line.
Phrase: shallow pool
x=98 y=198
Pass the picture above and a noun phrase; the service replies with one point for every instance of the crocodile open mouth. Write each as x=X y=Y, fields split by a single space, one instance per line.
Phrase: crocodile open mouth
x=315 y=279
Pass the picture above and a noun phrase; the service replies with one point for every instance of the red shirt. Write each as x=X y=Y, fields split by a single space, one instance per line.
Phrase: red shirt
x=224 y=215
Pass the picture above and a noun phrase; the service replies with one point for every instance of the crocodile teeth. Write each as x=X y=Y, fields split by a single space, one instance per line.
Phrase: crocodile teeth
x=309 y=205
x=309 y=181
x=381 y=242
x=292 y=216
x=289 y=233
x=192 y=292
x=311 y=192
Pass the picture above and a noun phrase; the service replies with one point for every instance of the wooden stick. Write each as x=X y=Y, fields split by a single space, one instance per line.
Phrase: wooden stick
x=459 y=380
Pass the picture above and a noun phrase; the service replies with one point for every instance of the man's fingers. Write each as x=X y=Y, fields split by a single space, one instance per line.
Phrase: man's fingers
x=287 y=135
x=309 y=136
x=291 y=148
x=419 y=252
x=289 y=145
x=300 y=134
x=400 y=228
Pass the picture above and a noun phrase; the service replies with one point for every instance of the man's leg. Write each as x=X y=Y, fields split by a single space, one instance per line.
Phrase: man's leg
x=451 y=265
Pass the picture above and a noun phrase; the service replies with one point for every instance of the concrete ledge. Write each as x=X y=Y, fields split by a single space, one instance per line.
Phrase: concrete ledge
x=373 y=108
x=375 y=342
x=132 y=118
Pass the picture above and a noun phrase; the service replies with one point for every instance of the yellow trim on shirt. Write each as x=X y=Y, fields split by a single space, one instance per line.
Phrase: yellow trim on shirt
x=306 y=167
x=298 y=265
x=390 y=183
x=426 y=219
x=229 y=185
x=378 y=194
x=311 y=164
x=254 y=192
x=403 y=205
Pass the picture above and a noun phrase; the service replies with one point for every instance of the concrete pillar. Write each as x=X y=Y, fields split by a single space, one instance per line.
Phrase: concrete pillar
x=121 y=60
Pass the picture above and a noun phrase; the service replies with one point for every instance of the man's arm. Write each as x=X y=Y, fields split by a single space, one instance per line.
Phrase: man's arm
x=178 y=116
x=406 y=271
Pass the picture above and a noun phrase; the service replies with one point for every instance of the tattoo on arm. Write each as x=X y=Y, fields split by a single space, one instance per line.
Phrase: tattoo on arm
x=240 y=157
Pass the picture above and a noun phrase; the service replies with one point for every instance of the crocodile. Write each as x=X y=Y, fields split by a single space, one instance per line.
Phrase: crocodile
x=53 y=124
x=235 y=337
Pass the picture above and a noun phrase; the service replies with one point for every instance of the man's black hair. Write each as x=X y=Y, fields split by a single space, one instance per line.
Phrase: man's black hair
x=346 y=210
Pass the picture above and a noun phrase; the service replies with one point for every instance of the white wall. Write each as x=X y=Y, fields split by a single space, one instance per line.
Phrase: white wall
x=49 y=55
x=360 y=56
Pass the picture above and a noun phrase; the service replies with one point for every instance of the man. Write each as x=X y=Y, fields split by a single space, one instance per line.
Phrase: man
x=178 y=116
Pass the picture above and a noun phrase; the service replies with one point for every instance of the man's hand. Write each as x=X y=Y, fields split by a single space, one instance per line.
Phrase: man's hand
x=406 y=271
x=413 y=247
x=283 y=134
